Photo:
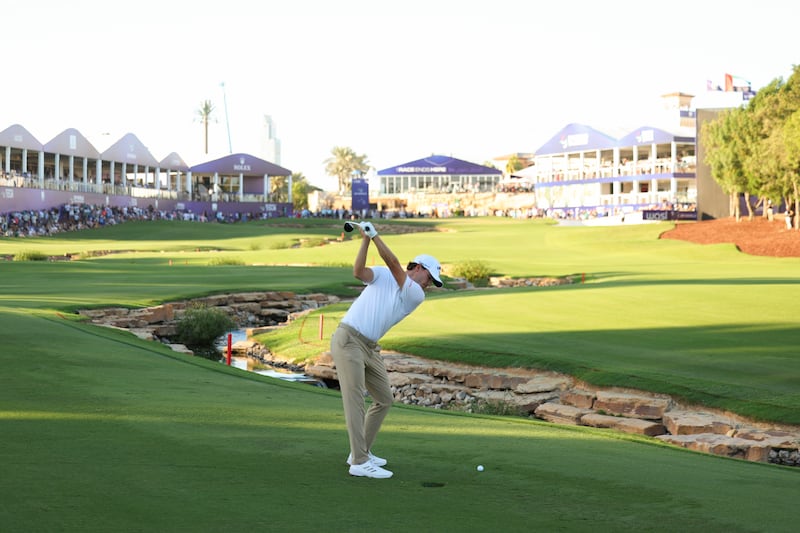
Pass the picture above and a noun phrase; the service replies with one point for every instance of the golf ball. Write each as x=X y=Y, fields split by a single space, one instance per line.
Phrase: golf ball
x=480 y=468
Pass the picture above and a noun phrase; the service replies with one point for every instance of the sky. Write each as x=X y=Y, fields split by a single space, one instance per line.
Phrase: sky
x=394 y=81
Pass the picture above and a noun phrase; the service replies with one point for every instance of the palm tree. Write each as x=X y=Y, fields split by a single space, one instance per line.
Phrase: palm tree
x=279 y=188
x=342 y=165
x=205 y=111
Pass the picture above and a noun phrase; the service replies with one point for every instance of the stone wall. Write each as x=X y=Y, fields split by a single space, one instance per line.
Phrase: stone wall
x=560 y=399
x=249 y=310
x=547 y=396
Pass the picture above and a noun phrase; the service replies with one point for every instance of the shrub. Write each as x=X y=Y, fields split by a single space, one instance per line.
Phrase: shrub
x=313 y=242
x=282 y=245
x=200 y=326
x=222 y=261
x=30 y=256
x=475 y=271
x=497 y=408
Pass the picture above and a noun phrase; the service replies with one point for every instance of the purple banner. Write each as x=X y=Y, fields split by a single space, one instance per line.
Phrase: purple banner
x=360 y=196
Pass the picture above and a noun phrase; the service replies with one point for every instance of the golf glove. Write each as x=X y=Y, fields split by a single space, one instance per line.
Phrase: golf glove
x=369 y=229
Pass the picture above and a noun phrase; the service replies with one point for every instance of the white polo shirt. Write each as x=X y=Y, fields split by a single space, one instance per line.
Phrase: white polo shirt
x=383 y=304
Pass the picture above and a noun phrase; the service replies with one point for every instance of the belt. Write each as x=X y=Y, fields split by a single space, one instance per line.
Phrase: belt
x=369 y=342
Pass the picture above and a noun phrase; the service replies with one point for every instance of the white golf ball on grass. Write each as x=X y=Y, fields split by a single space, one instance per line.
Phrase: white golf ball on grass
x=480 y=468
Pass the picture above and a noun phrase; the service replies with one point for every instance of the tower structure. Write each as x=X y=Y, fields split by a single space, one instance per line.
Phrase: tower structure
x=271 y=143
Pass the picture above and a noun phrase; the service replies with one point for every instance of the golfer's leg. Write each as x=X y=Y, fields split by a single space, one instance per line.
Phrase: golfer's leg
x=349 y=360
x=377 y=382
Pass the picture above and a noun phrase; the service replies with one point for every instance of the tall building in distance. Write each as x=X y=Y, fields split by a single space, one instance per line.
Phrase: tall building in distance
x=271 y=143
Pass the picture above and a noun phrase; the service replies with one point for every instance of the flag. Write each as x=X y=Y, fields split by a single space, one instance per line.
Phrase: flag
x=739 y=85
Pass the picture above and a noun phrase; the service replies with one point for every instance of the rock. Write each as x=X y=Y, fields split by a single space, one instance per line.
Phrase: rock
x=693 y=423
x=324 y=359
x=774 y=438
x=542 y=384
x=142 y=333
x=561 y=414
x=181 y=348
x=624 y=424
x=477 y=380
x=720 y=445
x=157 y=314
x=528 y=403
x=321 y=372
x=578 y=398
x=632 y=405
x=504 y=382
x=402 y=379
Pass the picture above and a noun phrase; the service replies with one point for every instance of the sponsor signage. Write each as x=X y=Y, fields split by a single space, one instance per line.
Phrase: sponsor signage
x=360 y=194
x=669 y=215
x=424 y=170
x=242 y=165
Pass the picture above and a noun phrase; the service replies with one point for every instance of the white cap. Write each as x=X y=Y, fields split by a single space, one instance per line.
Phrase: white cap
x=433 y=267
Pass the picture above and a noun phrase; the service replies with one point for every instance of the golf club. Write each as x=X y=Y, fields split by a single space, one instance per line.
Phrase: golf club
x=350 y=226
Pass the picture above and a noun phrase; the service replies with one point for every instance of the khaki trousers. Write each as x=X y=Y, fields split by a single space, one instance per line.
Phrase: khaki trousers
x=360 y=369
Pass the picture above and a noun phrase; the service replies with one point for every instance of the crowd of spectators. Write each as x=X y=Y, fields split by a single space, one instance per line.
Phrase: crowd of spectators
x=74 y=217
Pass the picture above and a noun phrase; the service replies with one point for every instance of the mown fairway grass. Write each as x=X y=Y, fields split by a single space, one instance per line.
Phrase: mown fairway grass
x=104 y=432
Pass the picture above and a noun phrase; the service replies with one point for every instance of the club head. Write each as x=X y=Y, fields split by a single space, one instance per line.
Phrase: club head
x=350 y=226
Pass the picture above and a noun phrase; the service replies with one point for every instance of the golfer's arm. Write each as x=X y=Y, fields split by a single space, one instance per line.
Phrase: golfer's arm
x=391 y=260
x=360 y=270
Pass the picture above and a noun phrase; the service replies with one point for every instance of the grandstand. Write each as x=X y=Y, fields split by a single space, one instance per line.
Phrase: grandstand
x=68 y=169
x=581 y=169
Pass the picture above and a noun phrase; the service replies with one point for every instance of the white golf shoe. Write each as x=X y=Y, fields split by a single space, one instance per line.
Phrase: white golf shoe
x=369 y=469
x=377 y=461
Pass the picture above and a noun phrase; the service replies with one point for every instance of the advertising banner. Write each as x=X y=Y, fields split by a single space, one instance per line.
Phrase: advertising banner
x=360 y=198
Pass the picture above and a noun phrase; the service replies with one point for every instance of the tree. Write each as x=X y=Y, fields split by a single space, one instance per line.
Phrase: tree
x=204 y=112
x=301 y=188
x=755 y=150
x=279 y=190
x=343 y=164
x=723 y=155
x=513 y=165
x=790 y=139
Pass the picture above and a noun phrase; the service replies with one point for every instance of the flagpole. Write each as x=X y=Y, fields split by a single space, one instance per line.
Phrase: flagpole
x=227 y=122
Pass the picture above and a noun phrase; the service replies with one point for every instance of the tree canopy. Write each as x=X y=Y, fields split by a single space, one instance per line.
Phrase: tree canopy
x=343 y=163
x=204 y=113
x=754 y=150
x=279 y=190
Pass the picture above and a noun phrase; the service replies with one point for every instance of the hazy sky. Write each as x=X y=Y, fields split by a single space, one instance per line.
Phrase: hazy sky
x=397 y=81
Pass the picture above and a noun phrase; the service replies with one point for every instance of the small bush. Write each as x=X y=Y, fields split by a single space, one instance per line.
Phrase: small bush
x=30 y=256
x=255 y=246
x=223 y=261
x=200 y=326
x=282 y=245
x=313 y=243
x=475 y=271
x=497 y=408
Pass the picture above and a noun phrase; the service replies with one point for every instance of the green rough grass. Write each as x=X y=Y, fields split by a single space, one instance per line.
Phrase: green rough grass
x=110 y=433
x=105 y=432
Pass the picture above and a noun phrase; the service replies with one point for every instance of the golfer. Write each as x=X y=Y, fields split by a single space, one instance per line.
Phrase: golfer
x=391 y=293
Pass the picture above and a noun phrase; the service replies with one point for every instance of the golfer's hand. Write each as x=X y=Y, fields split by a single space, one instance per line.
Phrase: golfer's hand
x=369 y=230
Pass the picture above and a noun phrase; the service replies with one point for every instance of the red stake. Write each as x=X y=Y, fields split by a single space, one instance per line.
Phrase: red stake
x=230 y=338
